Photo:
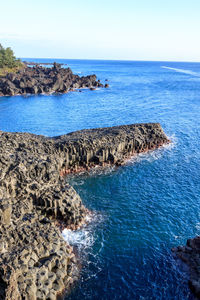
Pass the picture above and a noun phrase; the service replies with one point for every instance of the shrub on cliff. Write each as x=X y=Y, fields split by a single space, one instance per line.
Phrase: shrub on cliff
x=7 y=58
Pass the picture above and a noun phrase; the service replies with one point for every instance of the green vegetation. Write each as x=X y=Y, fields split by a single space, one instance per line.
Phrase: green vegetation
x=8 y=62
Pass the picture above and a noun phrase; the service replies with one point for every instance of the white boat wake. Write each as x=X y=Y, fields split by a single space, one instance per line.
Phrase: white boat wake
x=188 y=72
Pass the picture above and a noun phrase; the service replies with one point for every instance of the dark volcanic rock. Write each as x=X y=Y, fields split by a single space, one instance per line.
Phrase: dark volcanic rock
x=38 y=79
x=190 y=255
x=113 y=145
x=35 y=261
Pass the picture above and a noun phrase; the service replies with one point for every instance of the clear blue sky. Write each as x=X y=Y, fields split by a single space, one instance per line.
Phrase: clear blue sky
x=103 y=29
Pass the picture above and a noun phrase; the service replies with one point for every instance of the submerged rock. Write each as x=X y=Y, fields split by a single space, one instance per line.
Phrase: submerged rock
x=38 y=80
x=35 y=261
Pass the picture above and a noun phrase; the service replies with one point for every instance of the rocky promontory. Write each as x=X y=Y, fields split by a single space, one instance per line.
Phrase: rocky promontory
x=45 y=80
x=35 y=261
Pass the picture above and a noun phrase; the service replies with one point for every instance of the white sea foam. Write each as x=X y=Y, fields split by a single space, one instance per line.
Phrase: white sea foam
x=83 y=238
x=197 y=226
x=102 y=170
x=149 y=156
x=153 y=155
x=177 y=237
x=183 y=71
x=95 y=171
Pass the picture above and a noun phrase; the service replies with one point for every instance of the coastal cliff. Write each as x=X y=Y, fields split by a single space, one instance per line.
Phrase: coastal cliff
x=35 y=261
x=45 y=80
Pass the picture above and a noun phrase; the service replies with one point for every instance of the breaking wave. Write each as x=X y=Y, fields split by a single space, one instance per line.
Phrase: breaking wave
x=83 y=238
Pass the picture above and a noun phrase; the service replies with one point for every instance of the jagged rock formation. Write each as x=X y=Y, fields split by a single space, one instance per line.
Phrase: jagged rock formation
x=35 y=261
x=40 y=80
x=190 y=255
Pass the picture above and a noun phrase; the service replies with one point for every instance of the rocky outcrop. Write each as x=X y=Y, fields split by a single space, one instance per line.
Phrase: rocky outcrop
x=35 y=261
x=44 y=80
x=84 y=149
x=190 y=255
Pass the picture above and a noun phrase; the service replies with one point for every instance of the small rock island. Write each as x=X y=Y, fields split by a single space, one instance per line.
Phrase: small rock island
x=38 y=79
x=36 y=201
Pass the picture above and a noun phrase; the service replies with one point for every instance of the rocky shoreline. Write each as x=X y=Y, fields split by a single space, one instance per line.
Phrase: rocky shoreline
x=35 y=261
x=45 y=80
x=190 y=255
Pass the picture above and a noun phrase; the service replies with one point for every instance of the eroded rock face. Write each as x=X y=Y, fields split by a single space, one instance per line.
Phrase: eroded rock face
x=190 y=255
x=106 y=146
x=44 y=80
x=35 y=261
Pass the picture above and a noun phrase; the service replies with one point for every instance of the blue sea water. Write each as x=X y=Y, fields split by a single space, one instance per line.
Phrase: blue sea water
x=142 y=209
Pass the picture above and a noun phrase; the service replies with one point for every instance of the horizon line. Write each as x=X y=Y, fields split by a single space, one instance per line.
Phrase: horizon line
x=101 y=59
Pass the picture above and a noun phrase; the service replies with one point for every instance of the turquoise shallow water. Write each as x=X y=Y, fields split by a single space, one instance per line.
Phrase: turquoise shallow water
x=142 y=209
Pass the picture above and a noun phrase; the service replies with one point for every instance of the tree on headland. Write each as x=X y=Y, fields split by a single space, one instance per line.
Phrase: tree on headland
x=8 y=59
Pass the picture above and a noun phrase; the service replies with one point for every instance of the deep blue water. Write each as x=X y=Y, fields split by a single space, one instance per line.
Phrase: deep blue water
x=142 y=209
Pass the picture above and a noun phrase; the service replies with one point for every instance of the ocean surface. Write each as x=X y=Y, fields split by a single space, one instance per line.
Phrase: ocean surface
x=145 y=208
